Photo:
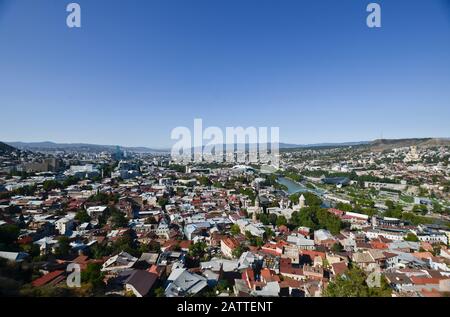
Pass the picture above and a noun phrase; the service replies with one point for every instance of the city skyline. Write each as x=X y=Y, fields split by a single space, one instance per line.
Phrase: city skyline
x=313 y=69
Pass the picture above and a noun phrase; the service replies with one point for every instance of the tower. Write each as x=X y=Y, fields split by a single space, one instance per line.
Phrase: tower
x=301 y=202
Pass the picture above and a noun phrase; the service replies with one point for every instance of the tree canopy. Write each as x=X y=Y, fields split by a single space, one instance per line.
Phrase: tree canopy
x=317 y=218
x=353 y=284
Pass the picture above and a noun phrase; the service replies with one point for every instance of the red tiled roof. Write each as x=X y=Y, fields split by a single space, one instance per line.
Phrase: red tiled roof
x=288 y=282
x=379 y=245
x=312 y=254
x=231 y=242
x=424 y=280
x=47 y=278
x=286 y=267
x=432 y=293
x=336 y=212
x=339 y=268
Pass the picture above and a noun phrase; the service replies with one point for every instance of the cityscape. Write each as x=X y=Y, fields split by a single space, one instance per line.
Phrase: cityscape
x=325 y=223
x=224 y=155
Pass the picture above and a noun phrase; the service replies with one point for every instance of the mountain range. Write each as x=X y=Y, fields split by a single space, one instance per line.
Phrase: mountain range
x=376 y=145
x=78 y=147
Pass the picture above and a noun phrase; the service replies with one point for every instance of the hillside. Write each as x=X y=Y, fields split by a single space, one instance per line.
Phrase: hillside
x=77 y=147
x=383 y=144
x=6 y=149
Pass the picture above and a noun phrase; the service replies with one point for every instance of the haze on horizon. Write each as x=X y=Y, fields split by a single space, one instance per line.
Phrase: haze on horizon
x=136 y=70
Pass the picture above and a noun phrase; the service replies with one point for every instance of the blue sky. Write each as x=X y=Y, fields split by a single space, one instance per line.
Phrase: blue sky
x=139 y=68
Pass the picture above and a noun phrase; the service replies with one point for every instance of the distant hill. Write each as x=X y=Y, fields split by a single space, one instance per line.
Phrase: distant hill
x=6 y=149
x=78 y=147
x=383 y=144
x=321 y=145
x=376 y=145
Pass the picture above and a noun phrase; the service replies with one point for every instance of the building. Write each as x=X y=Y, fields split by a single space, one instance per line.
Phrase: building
x=228 y=245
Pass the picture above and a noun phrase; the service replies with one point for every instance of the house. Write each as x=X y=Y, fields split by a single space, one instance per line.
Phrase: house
x=268 y=276
x=217 y=265
x=445 y=253
x=275 y=248
x=182 y=245
x=183 y=283
x=14 y=256
x=64 y=225
x=120 y=262
x=149 y=258
x=228 y=245
x=322 y=234
x=270 y=289
x=363 y=259
x=241 y=288
x=398 y=281
x=290 y=287
x=301 y=242
x=290 y=271
x=313 y=272
x=338 y=268
x=246 y=260
x=439 y=263
x=96 y=211
x=425 y=283
x=313 y=289
x=212 y=277
x=140 y=282
x=50 y=278
x=196 y=229
x=83 y=261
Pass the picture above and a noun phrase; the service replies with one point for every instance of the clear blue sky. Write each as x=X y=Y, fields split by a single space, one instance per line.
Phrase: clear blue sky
x=138 y=68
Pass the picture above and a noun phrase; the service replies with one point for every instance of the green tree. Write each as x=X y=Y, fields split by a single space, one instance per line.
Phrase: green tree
x=310 y=199
x=237 y=252
x=273 y=219
x=159 y=292
x=8 y=234
x=99 y=251
x=411 y=237
x=163 y=201
x=63 y=247
x=71 y=180
x=204 y=181
x=422 y=209
x=178 y=168
x=118 y=219
x=198 y=249
x=268 y=234
x=317 y=218
x=337 y=247
x=49 y=185
x=82 y=216
x=235 y=230
x=437 y=208
x=93 y=275
x=281 y=221
x=350 y=284
x=248 y=192
x=264 y=219
x=125 y=243
x=344 y=207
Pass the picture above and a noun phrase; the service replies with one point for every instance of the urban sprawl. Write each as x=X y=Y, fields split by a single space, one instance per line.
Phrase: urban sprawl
x=333 y=221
